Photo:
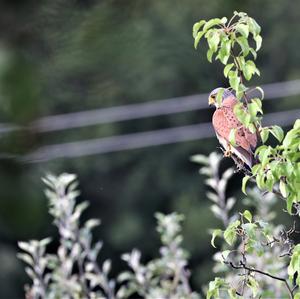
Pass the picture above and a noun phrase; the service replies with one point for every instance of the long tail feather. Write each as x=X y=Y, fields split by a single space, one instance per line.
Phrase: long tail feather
x=245 y=156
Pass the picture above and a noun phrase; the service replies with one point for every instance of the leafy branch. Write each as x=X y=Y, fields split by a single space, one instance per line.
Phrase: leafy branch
x=251 y=243
x=73 y=271
x=245 y=267
x=235 y=44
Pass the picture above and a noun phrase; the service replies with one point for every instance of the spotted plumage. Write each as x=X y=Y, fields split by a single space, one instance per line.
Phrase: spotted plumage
x=224 y=120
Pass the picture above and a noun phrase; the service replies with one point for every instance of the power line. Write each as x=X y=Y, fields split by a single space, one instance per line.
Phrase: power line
x=7 y=128
x=141 y=140
x=148 y=109
x=142 y=110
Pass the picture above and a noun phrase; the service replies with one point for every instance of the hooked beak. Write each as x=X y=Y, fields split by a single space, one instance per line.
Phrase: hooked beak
x=211 y=101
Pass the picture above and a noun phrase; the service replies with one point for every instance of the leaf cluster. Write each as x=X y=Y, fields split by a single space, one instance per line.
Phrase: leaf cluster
x=74 y=272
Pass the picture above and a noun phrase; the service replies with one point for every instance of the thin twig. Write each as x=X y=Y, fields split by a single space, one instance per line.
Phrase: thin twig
x=245 y=267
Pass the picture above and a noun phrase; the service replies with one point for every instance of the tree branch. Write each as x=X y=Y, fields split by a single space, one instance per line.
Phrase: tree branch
x=245 y=267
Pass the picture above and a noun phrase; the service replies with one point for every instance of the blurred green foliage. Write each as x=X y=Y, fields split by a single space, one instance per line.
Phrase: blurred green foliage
x=61 y=56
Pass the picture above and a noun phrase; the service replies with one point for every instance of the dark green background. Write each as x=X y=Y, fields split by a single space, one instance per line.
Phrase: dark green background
x=62 y=56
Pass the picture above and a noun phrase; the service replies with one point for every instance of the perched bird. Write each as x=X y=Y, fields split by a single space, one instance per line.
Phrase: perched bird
x=224 y=120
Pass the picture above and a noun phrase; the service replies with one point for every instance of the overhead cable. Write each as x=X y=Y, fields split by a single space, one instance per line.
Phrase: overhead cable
x=141 y=140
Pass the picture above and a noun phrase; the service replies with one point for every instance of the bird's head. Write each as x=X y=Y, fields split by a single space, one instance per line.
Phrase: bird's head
x=212 y=99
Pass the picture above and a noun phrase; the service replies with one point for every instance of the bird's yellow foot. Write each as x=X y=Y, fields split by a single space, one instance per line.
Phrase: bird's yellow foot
x=228 y=152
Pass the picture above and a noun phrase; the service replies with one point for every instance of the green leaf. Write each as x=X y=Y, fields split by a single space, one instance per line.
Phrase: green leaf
x=252 y=51
x=283 y=188
x=270 y=181
x=277 y=132
x=297 y=296
x=232 y=294
x=232 y=136
x=244 y=183
x=214 y=287
x=289 y=137
x=209 y=55
x=213 y=40
x=264 y=134
x=294 y=265
x=230 y=236
x=197 y=26
x=215 y=233
x=258 y=40
x=252 y=128
x=258 y=103
x=227 y=68
x=255 y=169
x=247 y=214
x=211 y=23
x=253 y=110
x=297 y=124
x=239 y=112
x=220 y=96
x=253 y=285
x=230 y=232
x=224 y=20
x=197 y=39
x=254 y=28
x=242 y=41
x=264 y=156
x=224 y=52
x=234 y=80
x=249 y=69
x=289 y=204
x=260 y=180
x=243 y=29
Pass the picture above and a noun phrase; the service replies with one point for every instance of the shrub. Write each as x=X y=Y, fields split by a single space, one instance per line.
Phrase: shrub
x=73 y=271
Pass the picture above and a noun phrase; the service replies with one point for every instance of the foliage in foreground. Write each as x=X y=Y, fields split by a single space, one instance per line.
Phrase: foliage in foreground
x=249 y=241
x=73 y=270
x=248 y=237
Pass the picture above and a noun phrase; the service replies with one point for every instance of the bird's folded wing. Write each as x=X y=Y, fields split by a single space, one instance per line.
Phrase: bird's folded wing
x=224 y=120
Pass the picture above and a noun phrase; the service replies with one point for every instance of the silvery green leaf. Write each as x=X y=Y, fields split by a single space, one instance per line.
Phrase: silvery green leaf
x=30 y=272
x=206 y=171
x=201 y=159
x=95 y=251
x=25 y=258
x=230 y=203
x=106 y=267
x=91 y=223
x=134 y=258
x=228 y=174
x=67 y=178
x=26 y=247
x=217 y=211
x=212 y=196
x=45 y=242
x=89 y=267
x=65 y=233
x=211 y=182
x=75 y=251
x=124 y=276
x=61 y=252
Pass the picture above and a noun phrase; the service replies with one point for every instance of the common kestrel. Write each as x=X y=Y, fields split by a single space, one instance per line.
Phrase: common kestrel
x=224 y=120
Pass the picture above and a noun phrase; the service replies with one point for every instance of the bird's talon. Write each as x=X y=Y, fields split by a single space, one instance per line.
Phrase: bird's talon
x=227 y=153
